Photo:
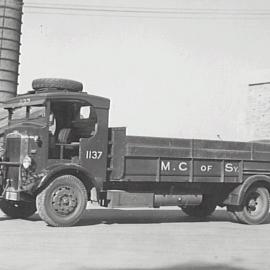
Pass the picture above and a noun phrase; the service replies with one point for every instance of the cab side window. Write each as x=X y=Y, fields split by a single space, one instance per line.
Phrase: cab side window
x=85 y=112
x=85 y=122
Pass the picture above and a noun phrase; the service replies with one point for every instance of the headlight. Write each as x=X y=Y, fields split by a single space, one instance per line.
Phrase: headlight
x=27 y=161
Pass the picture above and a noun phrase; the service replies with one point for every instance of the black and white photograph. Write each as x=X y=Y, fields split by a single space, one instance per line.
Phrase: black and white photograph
x=134 y=134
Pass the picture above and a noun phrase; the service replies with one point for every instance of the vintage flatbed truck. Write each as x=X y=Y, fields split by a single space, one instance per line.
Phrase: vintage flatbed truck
x=59 y=152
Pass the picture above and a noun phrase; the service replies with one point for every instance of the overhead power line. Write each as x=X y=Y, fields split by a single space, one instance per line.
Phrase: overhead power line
x=147 y=9
x=66 y=9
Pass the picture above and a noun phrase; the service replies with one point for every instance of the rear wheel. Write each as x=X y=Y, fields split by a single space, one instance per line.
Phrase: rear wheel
x=255 y=207
x=20 y=209
x=63 y=202
x=206 y=208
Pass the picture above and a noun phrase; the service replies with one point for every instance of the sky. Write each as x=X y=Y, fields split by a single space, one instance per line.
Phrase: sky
x=183 y=76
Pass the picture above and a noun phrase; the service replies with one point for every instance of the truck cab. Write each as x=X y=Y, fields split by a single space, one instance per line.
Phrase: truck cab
x=54 y=130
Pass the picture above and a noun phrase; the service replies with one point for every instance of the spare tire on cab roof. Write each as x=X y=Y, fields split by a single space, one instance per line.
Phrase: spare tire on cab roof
x=59 y=84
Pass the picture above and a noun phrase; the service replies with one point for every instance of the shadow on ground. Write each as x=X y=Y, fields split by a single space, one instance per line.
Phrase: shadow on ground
x=198 y=266
x=4 y=218
x=111 y=216
x=140 y=216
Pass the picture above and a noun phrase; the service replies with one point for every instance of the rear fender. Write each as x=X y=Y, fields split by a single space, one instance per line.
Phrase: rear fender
x=236 y=197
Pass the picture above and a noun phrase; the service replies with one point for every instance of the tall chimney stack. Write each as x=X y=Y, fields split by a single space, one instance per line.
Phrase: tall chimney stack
x=10 y=34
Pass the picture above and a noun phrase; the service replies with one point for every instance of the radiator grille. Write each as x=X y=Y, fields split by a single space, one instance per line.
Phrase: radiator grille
x=13 y=149
x=16 y=150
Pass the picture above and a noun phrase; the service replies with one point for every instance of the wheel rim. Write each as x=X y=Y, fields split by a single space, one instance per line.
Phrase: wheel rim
x=64 y=200
x=254 y=204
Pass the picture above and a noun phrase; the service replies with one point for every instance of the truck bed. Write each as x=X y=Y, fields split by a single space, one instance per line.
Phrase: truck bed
x=137 y=158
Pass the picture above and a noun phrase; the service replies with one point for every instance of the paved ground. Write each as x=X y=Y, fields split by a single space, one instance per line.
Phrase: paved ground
x=135 y=239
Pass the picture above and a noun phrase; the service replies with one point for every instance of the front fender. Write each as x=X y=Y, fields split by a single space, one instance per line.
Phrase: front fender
x=50 y=173
x=236 y=197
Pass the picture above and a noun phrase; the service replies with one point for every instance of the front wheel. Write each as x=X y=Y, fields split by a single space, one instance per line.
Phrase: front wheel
x=63 y=202
x=255 y=207
x=19 y=209
x=206 y=208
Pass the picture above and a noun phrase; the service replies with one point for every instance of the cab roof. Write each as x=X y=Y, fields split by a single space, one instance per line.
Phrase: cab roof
x=36 y=98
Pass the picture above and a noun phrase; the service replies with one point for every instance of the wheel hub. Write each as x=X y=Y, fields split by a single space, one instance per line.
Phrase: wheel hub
x=64 y=200
x=253 y=205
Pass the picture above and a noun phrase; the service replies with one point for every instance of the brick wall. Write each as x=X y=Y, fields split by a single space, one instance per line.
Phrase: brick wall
x=258 y=112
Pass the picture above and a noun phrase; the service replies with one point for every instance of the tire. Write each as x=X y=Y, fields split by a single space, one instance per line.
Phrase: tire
x=206 y=208
x=255 y=207
x=63 y=202
x=65 y=135
x=231 y=212
x=60 y=84
x=16 y=209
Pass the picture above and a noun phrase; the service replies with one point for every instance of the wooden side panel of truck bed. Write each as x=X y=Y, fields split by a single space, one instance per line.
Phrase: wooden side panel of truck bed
x=185 y=160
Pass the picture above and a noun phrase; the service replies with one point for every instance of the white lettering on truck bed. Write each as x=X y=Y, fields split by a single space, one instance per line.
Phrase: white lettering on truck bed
x=183 y=166
x=165 y=167
x=209 y=167
x=230 y=168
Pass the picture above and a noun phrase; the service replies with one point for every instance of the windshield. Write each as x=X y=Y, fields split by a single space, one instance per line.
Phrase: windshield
x=28 y=112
